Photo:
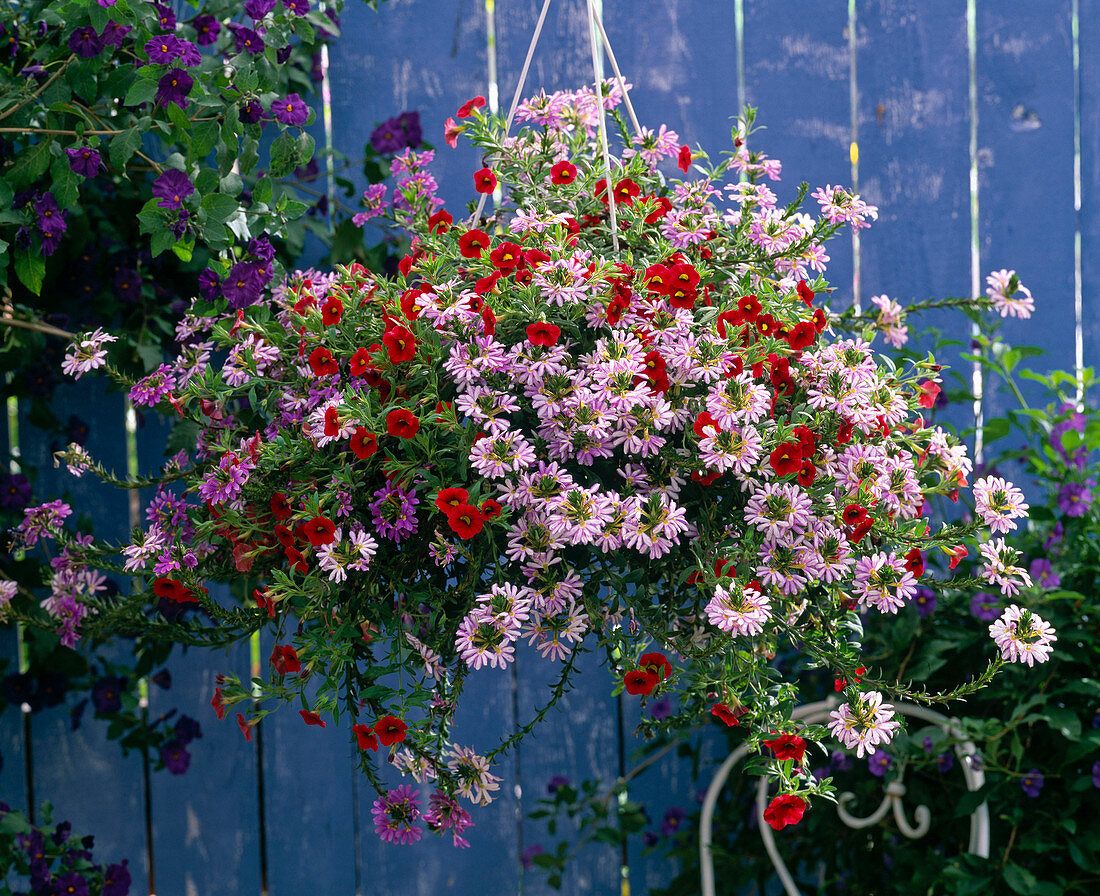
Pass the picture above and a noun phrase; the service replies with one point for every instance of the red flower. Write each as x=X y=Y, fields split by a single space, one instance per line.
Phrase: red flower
x=804 y=292
x=658 y=279
x=542 y=333
x=784 y=810
x=360 y=362
x=802 y=335
x=296 y=560
x=786 y=458
x=766 y=325
x=787 y=746
x=807 y=473
x=402 y=423
x=854 y=515
x=390 y=730
x=245 y=725
x=400 y=343
x=363 y=443
x=727 y=715
x=750 y=307
x=625 y=191
x=262 y=602
x=331 y=311
x=656 y=663
x=807 y=441
x=702 y=421
x=680 y=296
x=957 y=555
x=285 y=536
x=490 y=508
x=914 y=562
x=488 y=320
x=174 y=591
x=332 y=422
x=485 y=181
x=467 y=107
x=563 y=172
x=929 y=392
x=365 y=735
x=285 y=660
x=466 y=520
x=472 y=243
x=683 y=161
x=506 y=256
x=640 y=681
x=311 y=718
x=280 y=506
x=320 y=531
x=450 y=498
x=219 y=704
x=663 y=207
x=322 y=362
x=440 y=222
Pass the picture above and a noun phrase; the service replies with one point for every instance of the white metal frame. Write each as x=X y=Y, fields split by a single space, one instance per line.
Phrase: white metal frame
x=816 y=713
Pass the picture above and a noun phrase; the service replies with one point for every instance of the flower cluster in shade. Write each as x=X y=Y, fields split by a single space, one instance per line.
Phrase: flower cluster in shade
x=525 y=436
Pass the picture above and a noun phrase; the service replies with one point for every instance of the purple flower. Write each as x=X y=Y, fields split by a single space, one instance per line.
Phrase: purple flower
x=556 y=783
x=85 y=161
x=173 y=87
x=50 y=218
x=1074 y=499
x=106 y=4
x=410 y=124
x=15 y=491
x=107 y=694
x=164 y=50
x=1056 y=533
x=175 y=758
x=290 y=110
x=17 y=688
x=393 y=513
x=1032 y=783
x=977 y=764
x=673 y=820
x=945 y=761
x=985 y=607
x=840 y=762
x=163 y=680
x=925 y=601
x=86 y=42
x=209 y=284
x=283 y=54
x=114 y=34
x=243 y=285
x=251 y=112
x=298 y=7
x=880 y=763
x=207 y=28
x=257 y=9
x=661 y=708
x=388 y=137
x=72 y=884
x=1043 y=574
x=926 y=744
x=50 y=689
x=187 y=729
x=247 y=40
x=527 y=857
x=166 y=17
x=260 y=247
x=1096 y=773
x=127 y=285
x=172 y=187
x=116 y=880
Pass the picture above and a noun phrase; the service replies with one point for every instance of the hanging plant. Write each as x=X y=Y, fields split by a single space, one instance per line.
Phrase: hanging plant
x=613 y=416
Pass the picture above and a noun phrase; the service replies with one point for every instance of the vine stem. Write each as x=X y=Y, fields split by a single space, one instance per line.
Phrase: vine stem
x=39 y=91
x=56 y=132
x=37 y=326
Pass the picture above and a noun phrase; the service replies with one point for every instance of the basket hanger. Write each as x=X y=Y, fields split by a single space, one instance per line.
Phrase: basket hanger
x=594 y=24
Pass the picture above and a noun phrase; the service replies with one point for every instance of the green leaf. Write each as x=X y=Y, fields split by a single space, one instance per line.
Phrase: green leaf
x=162 y=240
x=293 y=209
x=261 y=195
x=231 y=184
x=1019 y=879
x=143 y=91
x=184 y=249
x=30 y=268
x=66 y=182
x=123 y=146
x=30 y=164
x=6 y=194
x=306 y=146
x=250 y=154
x=997 y=428
x=204 y=136
x=219 y=207
x=1064 y=720
x=284 y=155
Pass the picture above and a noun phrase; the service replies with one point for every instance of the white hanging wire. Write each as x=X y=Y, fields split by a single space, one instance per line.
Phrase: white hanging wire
x=518 y=93
x=603 y=129
x=615 y=68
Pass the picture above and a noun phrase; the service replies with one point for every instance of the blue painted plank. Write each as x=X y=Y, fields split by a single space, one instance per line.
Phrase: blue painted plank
x=563 y=57
x=410 y=55
x=1090 y=179
x=797 y=76
x=1025 y=140
x=13 y=784
x=914 y=159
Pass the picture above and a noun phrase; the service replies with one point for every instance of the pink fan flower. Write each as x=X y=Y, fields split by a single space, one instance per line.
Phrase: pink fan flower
x=1022 y=636
x=865 y=725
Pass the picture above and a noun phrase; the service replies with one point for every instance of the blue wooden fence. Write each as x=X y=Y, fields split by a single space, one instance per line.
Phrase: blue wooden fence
x=974 y=125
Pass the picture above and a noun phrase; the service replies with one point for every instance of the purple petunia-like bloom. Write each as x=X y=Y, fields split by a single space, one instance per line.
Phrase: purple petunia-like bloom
x=298 y=7
x=388 y=137
x=207 y=29
x=394 y=513
x=925 y=601
x=290 y=110
x=175 y=758
x=257 y=9
x=164 y=50
x=86 y=42
x=673 y=821
x=247 y=40
x=1074 y=498
x=15 y=491
x=880 y=763
x=50 y=219
x=396 y=815
x=1032 y=783
x=1096 y=773
x=114 y=34
x=985 y=606
x=209 y=284
x=172 y=187
x=72 y=884
x=244 y=284
x=1043 y=573
x=85 y=161
x=173 y=87
x=116 y=880
x=166 y=16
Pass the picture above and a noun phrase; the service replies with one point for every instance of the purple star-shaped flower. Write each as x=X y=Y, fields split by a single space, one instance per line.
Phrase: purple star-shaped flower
x=173 y=87
x=290 y=110
x=243 y=285
x=172 y=187
x=85 y=161
x=207 y=28
x=247 y=40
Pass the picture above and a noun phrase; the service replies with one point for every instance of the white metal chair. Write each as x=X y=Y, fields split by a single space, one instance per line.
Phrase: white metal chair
x=816 y=713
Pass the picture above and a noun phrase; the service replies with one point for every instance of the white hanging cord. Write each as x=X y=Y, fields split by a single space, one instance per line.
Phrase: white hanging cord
x=603 y=129
x=518 y=93
x=618 y=74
